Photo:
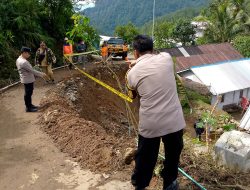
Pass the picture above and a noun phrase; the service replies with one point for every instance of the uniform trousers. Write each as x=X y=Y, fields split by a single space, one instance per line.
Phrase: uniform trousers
x=28 y=91
x=146 y=158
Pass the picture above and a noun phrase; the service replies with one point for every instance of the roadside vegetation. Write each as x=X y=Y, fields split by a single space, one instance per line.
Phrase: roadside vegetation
x=27 y=22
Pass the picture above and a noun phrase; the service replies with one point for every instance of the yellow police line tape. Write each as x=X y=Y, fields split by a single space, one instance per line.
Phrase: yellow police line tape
x=84 y=53
x=120 y=94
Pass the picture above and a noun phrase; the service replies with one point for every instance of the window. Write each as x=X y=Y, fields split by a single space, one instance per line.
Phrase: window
x=222 y=98
x=241 y=93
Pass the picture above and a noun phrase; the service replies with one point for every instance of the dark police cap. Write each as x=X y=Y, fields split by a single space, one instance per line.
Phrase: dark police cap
x=25 y=49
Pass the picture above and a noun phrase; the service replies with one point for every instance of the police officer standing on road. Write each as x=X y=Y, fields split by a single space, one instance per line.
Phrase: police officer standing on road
x=27 y=76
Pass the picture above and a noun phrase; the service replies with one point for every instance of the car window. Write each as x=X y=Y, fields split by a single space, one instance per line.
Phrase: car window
x=115 y=41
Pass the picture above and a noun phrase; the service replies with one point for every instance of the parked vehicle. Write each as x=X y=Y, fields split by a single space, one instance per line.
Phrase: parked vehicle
x=115 y=47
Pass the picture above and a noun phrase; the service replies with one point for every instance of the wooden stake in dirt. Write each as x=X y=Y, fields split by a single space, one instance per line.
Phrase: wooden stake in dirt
x=215 y=105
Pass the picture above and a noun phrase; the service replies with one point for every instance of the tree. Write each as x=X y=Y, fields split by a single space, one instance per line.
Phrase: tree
x=226 y=19
x=83 y=31
x=222 y=23
x=163 y=34
x=27 y=22
x=55 y=17
x=19 y=25
x=241 y=43
x=184 y=32
x=23 y=20
x=241 y=9
x=127 y=32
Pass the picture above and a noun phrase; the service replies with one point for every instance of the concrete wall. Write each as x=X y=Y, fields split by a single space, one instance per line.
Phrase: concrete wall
x=233 y=150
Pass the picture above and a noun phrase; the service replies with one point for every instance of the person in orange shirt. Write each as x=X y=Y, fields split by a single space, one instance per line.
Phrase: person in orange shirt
x=68 y=49
x=125 y=51
x=104 y=52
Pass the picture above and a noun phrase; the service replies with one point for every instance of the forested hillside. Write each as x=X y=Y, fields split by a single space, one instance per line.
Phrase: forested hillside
x=107 y=14
x=26 y=23
x=186 y=13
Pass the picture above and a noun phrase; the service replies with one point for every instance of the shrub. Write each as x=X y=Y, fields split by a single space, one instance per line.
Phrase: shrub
x=241 y=43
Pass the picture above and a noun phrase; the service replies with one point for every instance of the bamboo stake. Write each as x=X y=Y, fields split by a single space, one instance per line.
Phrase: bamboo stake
x=215 y=105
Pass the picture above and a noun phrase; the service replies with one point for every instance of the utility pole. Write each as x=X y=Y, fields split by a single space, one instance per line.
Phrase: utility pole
x=153 y=27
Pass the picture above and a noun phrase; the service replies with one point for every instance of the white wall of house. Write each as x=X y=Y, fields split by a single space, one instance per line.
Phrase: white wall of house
x=231 y=98
x=246 y=93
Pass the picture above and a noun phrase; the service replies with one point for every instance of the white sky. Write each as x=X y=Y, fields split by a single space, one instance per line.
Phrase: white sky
x=85 y=4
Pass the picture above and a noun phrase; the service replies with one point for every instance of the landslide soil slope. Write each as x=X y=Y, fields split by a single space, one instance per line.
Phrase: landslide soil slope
x=91 y=124
x=29 y=160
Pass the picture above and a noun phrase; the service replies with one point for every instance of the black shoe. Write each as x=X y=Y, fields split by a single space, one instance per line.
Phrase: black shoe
x=173 y=186
x=31 y=110
x=133 y=179
x=35 y=107
x=139 y=188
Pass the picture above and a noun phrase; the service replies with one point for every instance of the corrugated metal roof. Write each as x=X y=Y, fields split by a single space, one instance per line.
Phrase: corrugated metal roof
x=204 y=54
x=225 y=76
x=193 y=50
x=245 y=121
x=174 y=52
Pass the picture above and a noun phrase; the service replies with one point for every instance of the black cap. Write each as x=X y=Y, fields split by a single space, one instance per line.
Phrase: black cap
x=25 y=49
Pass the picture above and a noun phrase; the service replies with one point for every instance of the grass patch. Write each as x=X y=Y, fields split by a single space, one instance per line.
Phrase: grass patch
x=192 y=95
x=229 y=127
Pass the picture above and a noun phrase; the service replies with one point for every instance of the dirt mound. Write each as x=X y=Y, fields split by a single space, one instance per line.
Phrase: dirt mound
x=89 y=122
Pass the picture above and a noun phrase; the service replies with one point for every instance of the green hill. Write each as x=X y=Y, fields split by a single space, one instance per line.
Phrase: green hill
x=107 y=14
x=186 y=13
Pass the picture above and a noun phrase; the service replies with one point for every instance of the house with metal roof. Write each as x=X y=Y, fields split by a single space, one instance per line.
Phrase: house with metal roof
x=186 y=57
x=230 y=79
x=228 y=76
